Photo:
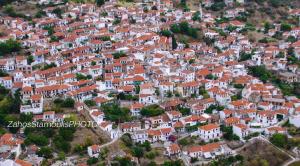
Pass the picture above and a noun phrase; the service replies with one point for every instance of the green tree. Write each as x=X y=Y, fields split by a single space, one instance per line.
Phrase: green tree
x=279 y=140
x=11 y=118
x=61 y=156
x=118 y=55
x=58 y=12
x=126 y=138
x=152 y=110
x=40 y=14
x=3 y=74
x=105 y=38
x=275 y=3
x=126 y=161
x=100 y=2
x=115 y=113
x=9 y=46
x=228 y=133
x=238 y=86
x=175 y=28
x=80 y=76
x=5 y=105
x=68 y=103
x=90 y=103
x=285 y=27
x=173 y=163
x=217 y=6
x=6 y=2
x=49 y=66
x=116 y=21
x=184 y=27
x=147 y=145
x=209 y=76
x=138 y=151
x=39 y=140
x=196 y=16
x=169 y=94
x=267 y=27
x=174 y=43
x=166 y=33
x=291 y=39
x=184 y=111
x=210 y=109
x=45 y=152
x=137 y=89
x=92 y=161
x=261 y=72
x=193 y=32
x=26 y=117
x=30 y=59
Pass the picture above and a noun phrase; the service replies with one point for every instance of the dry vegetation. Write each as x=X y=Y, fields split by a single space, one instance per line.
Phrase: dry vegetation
x=159 y=159
x=24 y=8
x=297 y=163
x=82 y=134
x=261 y=153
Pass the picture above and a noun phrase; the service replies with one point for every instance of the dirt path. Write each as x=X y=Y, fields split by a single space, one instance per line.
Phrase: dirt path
x=97 y=130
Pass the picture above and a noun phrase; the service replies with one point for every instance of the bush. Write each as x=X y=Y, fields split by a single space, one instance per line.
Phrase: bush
x=151 y=155
x=245 y=56
x=217 y=6
x=166 y=33
x=279 y=140
x=80 y=76
x=194 y=159
x=45 y=152
x=138 y=151
x=100 y=2
x=116 y=21
x=152 y=110
x=118 y=55
x=90 y=103
x=39 y=140
x=9 y=46
x=123 y=96
x=183 y=142
x=68 y=103
x=58 y=12
x=285 y=27
x=126 y=138
x=275 y=3
x=92 y=161
x=184 y=28
x=115 y=113
x=49 y=66
x=184 y=111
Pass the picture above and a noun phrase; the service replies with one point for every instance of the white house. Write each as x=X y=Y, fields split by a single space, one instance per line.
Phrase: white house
x=93 y=151
x=147 y=99
x=266 y=118
x=173 y=150
x=240 y=130
x=6 y=82
x=136 y=108
x=139 y=136
x=98 y=116
x=209 y=132
x=274 y=130
x=10 y=145
x=208 y=151
x=33 y=105
x=295 y=120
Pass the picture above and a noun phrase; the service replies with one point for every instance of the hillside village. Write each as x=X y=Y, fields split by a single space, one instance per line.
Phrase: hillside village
x=162 y=83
